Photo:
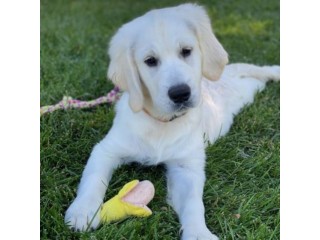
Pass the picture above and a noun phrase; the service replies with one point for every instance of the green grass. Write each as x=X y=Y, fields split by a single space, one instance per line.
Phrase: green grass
x=243 y=167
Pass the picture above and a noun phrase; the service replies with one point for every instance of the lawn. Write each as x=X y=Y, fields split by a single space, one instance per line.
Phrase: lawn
x=242 y=190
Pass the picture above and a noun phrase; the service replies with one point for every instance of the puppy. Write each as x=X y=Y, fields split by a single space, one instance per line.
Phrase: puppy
x=178 y=95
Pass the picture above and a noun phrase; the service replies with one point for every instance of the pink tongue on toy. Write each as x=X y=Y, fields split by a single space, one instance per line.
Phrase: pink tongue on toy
x=141 y=194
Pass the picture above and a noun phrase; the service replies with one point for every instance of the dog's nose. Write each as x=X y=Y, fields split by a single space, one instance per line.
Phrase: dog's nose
x=179 y=93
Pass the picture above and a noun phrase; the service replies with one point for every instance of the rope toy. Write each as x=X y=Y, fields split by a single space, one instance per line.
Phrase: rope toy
x=68 y=102
x=131 y=200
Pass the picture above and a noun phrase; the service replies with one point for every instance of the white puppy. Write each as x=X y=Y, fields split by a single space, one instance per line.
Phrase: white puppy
x=168 y=62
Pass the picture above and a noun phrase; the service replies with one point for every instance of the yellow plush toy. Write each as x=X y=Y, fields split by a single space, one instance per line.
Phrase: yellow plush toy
x=131 y=200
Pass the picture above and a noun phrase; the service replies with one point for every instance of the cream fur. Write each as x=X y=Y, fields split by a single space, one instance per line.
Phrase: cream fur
x=141 y=129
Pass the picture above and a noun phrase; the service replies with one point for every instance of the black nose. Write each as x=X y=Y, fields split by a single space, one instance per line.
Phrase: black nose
x=179 y=93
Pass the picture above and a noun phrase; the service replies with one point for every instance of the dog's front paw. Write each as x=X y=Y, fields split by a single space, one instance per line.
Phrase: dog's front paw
x=83 y=214
x=199 y=234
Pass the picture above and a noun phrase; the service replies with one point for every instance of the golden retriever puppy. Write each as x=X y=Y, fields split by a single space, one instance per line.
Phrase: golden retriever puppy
x=178 y=94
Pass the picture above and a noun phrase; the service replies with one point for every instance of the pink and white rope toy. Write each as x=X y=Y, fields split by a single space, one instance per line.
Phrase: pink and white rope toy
x=68 y=102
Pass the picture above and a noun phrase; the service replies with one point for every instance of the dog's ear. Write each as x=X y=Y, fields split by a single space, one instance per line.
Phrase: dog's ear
x=122 y=68
x=214 y=57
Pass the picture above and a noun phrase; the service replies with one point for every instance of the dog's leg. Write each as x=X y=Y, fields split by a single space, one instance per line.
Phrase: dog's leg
x=236 y=89
x=263 y=73
x=185 y=189
x=83 y=213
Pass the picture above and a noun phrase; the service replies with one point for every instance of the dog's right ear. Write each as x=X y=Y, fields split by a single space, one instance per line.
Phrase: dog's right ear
x=122 y=69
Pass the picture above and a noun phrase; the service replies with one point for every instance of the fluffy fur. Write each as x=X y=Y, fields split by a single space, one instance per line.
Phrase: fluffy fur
x=150 y=128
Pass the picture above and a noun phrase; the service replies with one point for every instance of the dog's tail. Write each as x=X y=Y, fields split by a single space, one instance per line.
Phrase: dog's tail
x=264 y=73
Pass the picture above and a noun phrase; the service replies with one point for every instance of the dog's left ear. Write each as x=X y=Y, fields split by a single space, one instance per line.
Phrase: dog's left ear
x=214 y=57
x=122 y=68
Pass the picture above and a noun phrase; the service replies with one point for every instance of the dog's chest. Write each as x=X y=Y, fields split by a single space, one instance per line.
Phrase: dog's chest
x=151 y=142
x=156 y=146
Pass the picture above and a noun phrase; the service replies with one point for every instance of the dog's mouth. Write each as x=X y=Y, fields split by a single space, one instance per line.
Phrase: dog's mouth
x=177 y=110
x=167 y=118
x=175 y=116
x=180 y=110
x=182 y=107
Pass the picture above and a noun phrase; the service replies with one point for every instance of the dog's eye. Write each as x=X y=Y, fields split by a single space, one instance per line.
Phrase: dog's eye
x=185 y=52
x=151 y=61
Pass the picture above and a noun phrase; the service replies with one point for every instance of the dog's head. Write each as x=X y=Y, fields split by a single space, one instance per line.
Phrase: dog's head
x=160 y=58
